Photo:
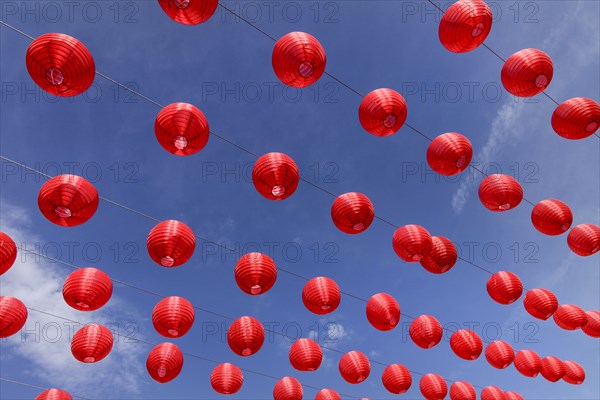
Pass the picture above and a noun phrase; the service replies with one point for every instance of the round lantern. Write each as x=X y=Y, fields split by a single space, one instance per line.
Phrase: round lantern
x=449 y=154
x=328 y=394
x=13 y=315
x=87 y=289
x=298 y=59
x=441 y=257
x=553 y=369
x=466 y=344
x=540 y=303
x=255 y=273
x=92 y=343
x=54 y=394
x=189 y=12
x=173 y=317
x=426 y=331
x=592 y=327
x=288 y=388
x=396 y=378
x=411 y=242
x=245 y=336
x=570 y=317
x=499 y=192
x=321 y=295
x=352 y=212
x=528 y=363
x=382 y=112
x=181 y=129
x=354 y=367
x=551 y=217
x=8 y=252
x=68 y=200
x=171 y=243
x=164 y=363
x=60 y=64
x=504 y=287
x=492 y=393
x=576 y=118
x=462 y=391
x=499 y=354
x=275 y=176
x=305 y=355
x=512 y=396
x=226 y=378
x=584 y=239
x=574 y=373
x=527 y=72
x=465 y=25
x=383 y=312
x=433 y=387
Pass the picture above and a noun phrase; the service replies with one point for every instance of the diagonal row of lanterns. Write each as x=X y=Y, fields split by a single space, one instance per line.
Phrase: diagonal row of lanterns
x=191 y=129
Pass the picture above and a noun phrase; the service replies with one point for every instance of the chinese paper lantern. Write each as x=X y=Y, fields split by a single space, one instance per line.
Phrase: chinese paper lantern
x=396 y=378
x=592 y=327
x=8 y=252
x=576 y=118
x=411 y=242
x=298 y=59
x=426 y=331
x=441 y=257
x=433 y=387
x=382 y=112
x=171 y=243
x=574 y=373
x=527 y=72
x=189 y=12
x=354 y=367
x=60 y=64
x=352 y=212
x=54 y=394
x=13 y=315
x=449 y=154
x=512 y=396
x=226 y=378
x=462 y=391
x=181 y=129
x=321 y=295
x=528 y=363
x=465 y=25
x=383 y=312
x=553 y=369
x=173 y=317
x=255 y=273
x=245 y=336
x=466 y=344
x=328 y=394
x=504 y=287
x=584 y=239
x=275 y=176
x=68 y=200
x=305 y=355
x=92 y=343
x=499 y=354
x=551 y=217
x=164 y=363
x=540 y=303
x=87 y=289
x=570 y=317
x=288 y=388
x=499 y=192
x=492 y=393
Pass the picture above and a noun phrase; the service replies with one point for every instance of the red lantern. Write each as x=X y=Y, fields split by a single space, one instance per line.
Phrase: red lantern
x=68 y=200
x=592 y=327
x=426 y=331
x=275 y=176
x=553 y=369
x=13 y=315
x=584 y=239
x=60 y=64
x=245 y=336
x=382 y=112
x=8 y=252
x=164 y=363
x=576 y=118
x=305 y=355
x=298 y=59
x=466 y=344
x=181 y=129
x=396 y=378
x=411 y=242
x=352 y=212
x=91 y=343
x=226 y=378
x=570 y=317
x=54 y=394
x=528 y=363
x=189 y=12
x=449 y=154
x=574 y=373
x=465 y=25
x=504 y=287
x=551 y=217
x=171 y=243
x=527 y=72
x=433 y=387
x=87 y=289
x=255 y=273
x=288 y=388
x=383 y=312
x=512 y=396
x=499 y=354
x=499 y=192
x=321 y=295
x=462 y=391
x=492 y=393
x=540 y=303
x=441 y=257
x=354 y=367
x=328 y=394
x=173 y=317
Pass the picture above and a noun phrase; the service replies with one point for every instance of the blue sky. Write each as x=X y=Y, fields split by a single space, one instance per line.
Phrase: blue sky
x=107 y=136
